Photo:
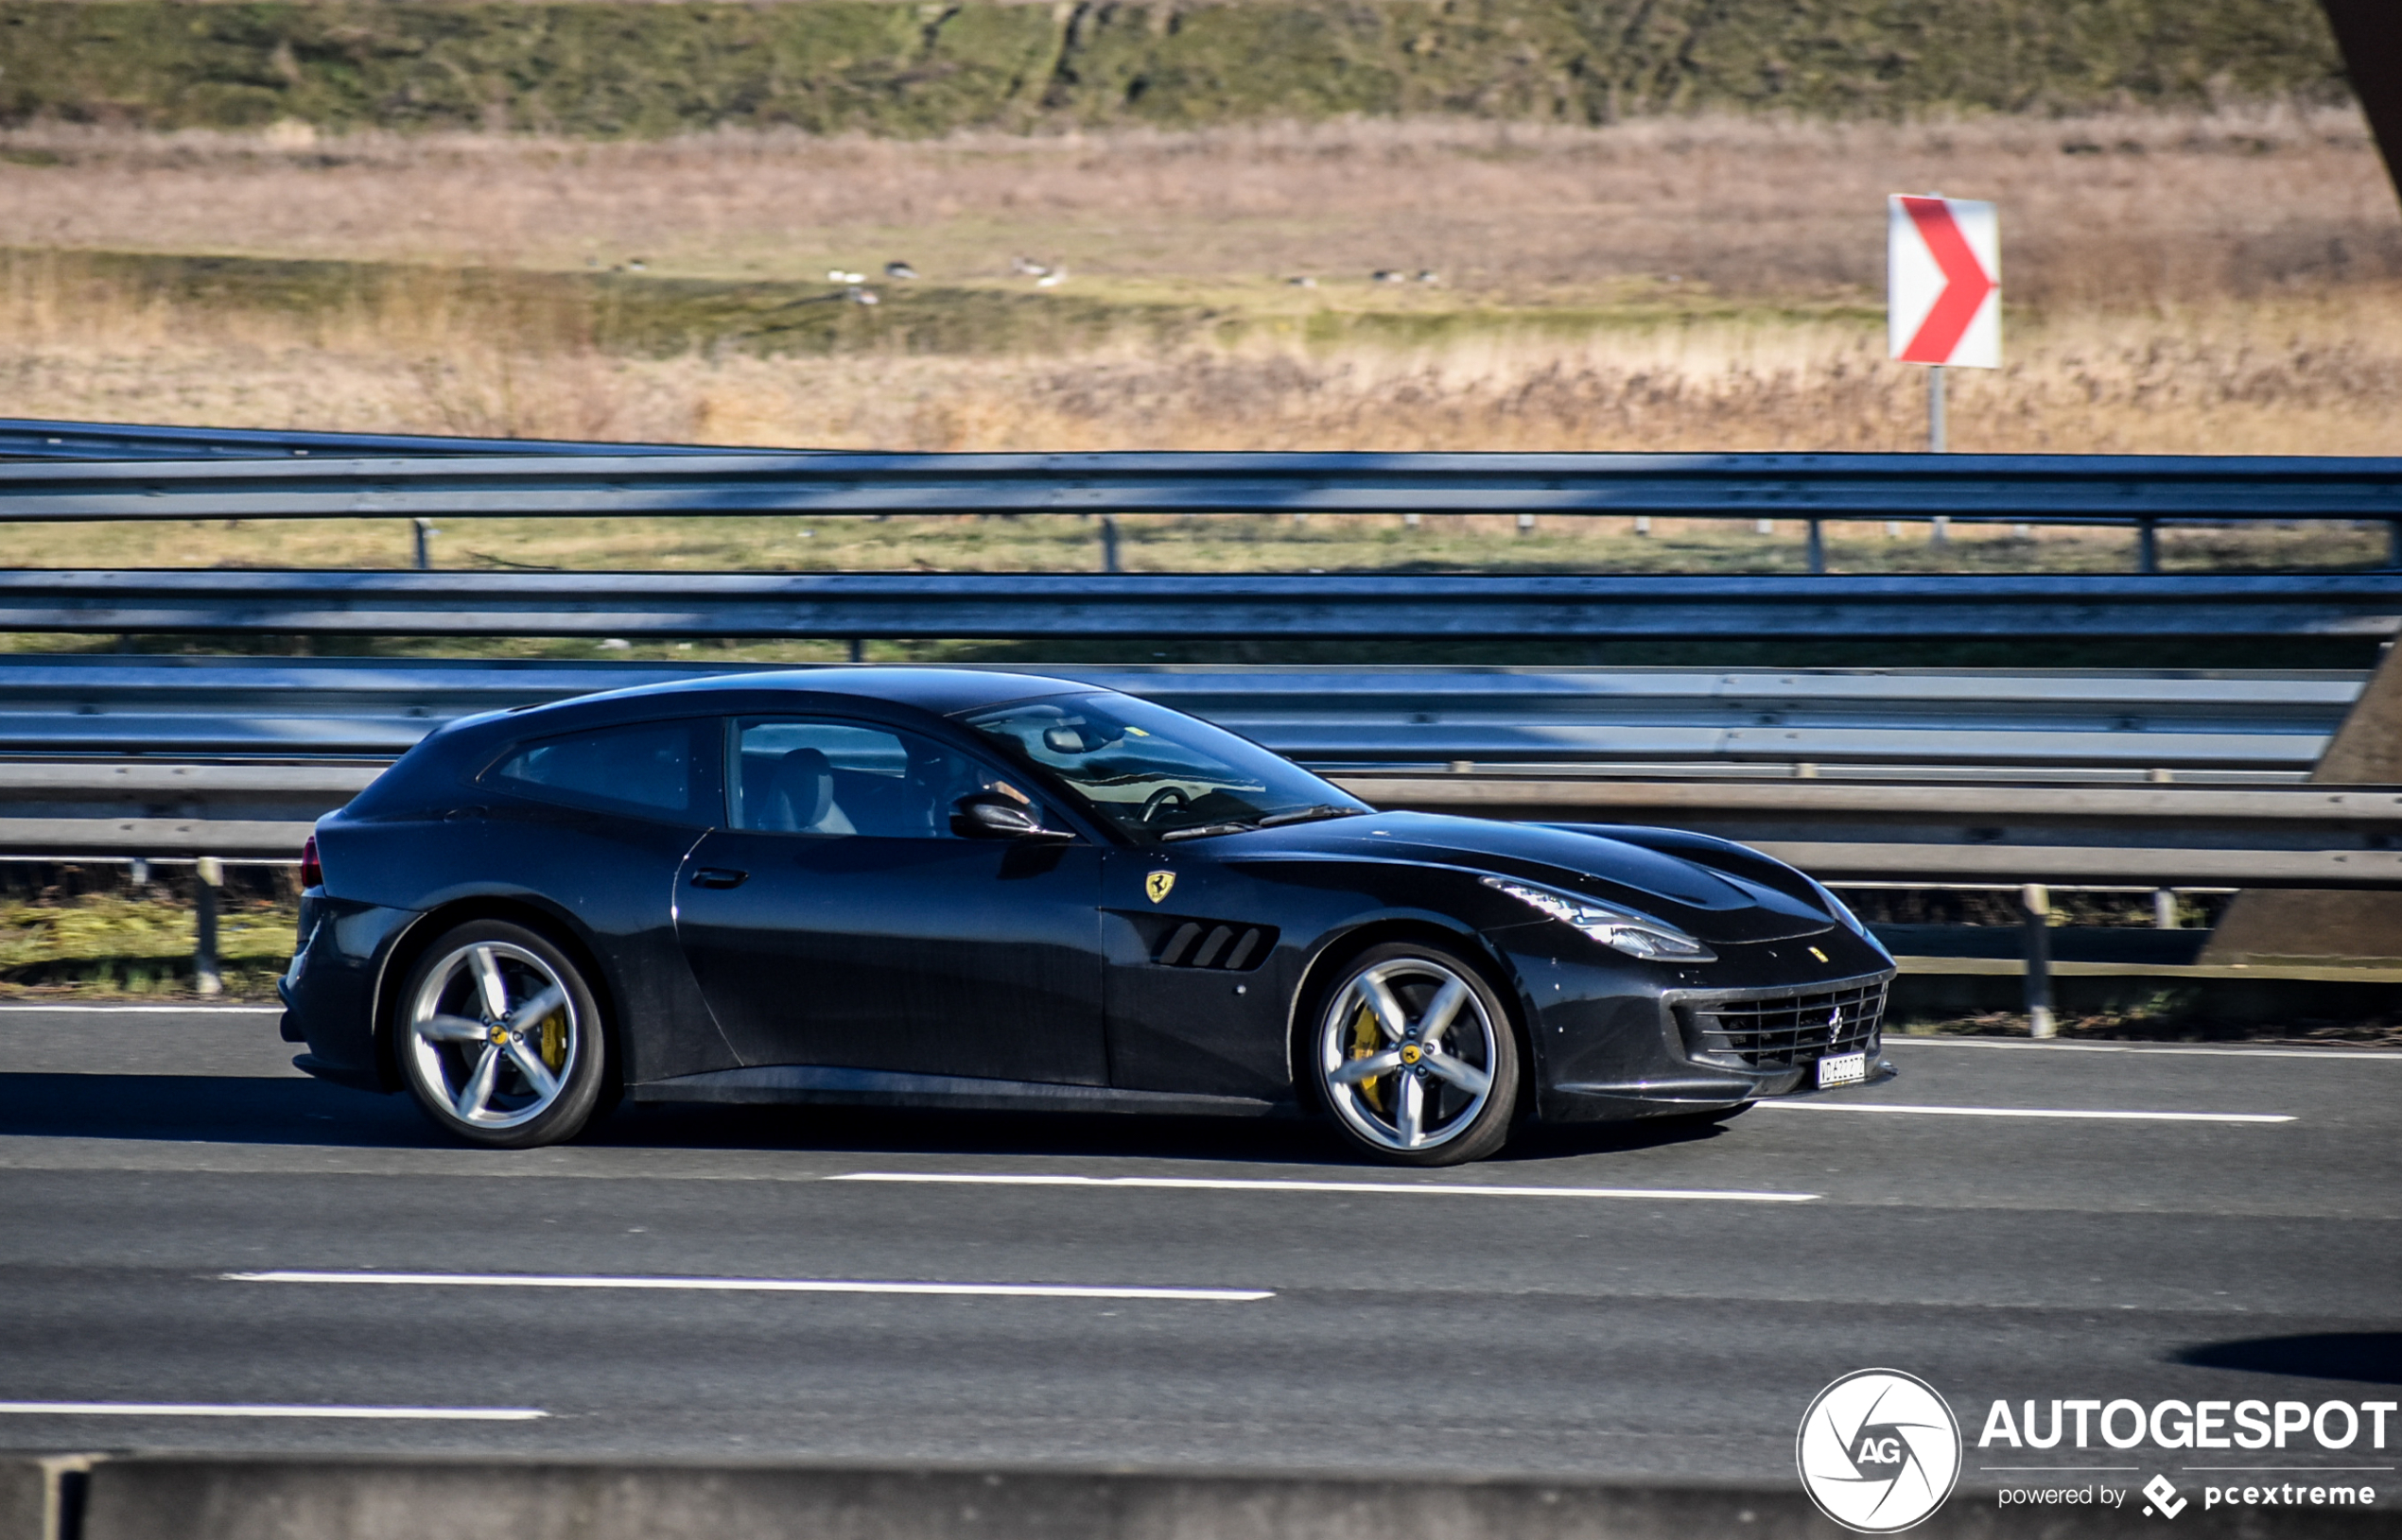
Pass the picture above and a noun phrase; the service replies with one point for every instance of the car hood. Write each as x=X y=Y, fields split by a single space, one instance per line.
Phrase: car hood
x=1715 y=890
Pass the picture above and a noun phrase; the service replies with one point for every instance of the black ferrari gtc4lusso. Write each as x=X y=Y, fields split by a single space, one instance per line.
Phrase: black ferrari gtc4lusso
x=964 y=888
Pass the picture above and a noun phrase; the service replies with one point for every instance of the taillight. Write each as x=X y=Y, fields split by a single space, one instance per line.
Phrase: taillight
x=312 y=870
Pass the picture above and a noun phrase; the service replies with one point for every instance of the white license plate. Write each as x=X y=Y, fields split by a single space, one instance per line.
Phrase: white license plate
x=1843 y=1069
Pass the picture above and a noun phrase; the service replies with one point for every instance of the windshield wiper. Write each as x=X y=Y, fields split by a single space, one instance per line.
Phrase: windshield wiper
x=1232 y=826
x=1303 y=815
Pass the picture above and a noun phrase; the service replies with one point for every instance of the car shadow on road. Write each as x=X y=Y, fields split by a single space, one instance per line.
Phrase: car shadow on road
x=2373 y=1357
x=903 y=1131
x=288 y=1109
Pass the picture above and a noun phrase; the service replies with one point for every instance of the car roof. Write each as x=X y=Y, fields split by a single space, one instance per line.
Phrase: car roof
x=941 y=691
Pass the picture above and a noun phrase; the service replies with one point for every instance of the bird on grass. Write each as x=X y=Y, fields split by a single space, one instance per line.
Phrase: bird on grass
x=1028 y=267
x=899 y=269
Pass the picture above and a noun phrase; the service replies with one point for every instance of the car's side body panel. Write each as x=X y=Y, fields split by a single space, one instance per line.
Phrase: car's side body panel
x=955 y=956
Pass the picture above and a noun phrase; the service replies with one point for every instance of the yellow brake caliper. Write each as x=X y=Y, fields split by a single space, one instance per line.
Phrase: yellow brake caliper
x=1366 y=1040
x=554 y=1039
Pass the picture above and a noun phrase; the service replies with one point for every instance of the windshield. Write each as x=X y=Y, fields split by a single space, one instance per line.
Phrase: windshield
x=1159 y=774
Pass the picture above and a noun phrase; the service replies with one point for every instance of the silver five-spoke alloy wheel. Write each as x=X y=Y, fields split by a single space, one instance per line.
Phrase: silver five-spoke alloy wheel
x=492 y=1034
x=1410 y=1054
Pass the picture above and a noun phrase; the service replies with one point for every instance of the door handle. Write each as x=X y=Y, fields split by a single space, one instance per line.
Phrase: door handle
x=718 y=876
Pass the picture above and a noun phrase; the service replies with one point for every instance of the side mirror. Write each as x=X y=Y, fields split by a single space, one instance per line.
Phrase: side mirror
x=986 y=815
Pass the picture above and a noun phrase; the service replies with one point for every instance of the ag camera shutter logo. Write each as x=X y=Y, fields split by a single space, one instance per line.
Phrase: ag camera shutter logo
x=1878 y=1451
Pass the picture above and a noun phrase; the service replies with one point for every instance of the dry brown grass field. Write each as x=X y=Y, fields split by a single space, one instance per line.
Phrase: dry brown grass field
x=2228 y=283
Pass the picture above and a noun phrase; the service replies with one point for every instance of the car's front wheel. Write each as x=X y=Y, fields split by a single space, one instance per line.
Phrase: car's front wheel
x=499 y=1037
x=1415 y=1056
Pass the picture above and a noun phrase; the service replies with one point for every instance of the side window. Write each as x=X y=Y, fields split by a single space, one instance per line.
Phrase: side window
x=651 y=768
x=810 y=775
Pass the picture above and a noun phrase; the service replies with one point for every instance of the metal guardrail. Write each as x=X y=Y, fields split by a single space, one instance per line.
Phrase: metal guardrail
x=1053 y=606
x=2080 y=489
x=1919 y=723
x=2305 y=836
x=1710 y=737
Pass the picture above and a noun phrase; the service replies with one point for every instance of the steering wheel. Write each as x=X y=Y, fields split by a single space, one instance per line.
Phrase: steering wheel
x=1165 y=799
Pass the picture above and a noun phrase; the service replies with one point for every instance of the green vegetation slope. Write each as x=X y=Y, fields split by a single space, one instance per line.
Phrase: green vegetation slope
x=900 y=68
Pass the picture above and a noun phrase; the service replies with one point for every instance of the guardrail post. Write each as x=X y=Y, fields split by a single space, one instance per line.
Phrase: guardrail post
x=2164 y=909
x=859 y=650
x=2035 y=909
x=2147 y=547
x=1941 y=533
x=1109 y=543
x=1818 y=548
x=423 y=532
x=206 y=874
x=1938 y=437
x=2393 y=543
x=1526 y=524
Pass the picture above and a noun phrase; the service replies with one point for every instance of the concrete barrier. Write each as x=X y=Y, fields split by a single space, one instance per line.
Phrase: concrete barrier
x=324 y=1498
x=42 y=1496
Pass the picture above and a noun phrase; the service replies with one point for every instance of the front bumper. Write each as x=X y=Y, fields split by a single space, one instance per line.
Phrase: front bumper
x=1612 y=1041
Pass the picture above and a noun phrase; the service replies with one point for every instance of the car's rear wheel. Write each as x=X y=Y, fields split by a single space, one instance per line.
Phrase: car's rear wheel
x=499 y=1037
x=1415 y=1056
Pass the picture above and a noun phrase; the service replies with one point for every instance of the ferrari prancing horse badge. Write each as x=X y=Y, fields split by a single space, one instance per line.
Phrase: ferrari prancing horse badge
x=1157 y=884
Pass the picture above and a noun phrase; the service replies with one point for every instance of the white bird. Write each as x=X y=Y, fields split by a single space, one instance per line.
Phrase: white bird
x=1387 y=275
x=1302 y=283
x=1027 y=268
x=860 y=296
x=899 y=269
x=1426 y=275
x=1051 y=279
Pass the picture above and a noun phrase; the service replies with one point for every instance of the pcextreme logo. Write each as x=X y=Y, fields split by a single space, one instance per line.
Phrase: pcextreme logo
x=1878 y=1451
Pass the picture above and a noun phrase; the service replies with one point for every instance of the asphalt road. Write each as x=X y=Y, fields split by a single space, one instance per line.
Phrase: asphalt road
x=150 y=1156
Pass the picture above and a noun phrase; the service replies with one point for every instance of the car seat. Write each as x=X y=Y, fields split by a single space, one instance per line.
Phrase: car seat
x=800 y=797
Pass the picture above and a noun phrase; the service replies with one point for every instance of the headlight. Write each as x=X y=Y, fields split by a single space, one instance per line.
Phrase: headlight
x=1637 y=935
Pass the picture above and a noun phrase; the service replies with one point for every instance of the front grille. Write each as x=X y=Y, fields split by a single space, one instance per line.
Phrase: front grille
x=1763 y=1029
x=1203 y=944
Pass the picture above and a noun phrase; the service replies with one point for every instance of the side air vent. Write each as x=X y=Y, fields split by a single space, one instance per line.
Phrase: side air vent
x=1228 y=946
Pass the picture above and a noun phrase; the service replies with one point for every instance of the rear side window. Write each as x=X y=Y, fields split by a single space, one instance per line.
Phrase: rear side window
x=651 y=768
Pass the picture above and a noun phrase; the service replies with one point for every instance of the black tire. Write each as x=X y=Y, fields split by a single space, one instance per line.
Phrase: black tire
x=1423 y=1110
x=445 y=1001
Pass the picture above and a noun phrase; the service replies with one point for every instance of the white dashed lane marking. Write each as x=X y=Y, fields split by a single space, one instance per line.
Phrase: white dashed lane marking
x=1419 y=1189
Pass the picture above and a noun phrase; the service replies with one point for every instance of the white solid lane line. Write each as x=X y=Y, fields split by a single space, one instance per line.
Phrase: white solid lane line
x=2032 y=1112
x=1442 y=1189
x=2392 y=1056
x=179 y=1408
x=764 y=1285
x=144 y=1010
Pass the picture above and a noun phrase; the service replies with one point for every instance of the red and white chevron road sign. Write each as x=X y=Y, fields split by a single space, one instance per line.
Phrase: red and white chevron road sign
x=1944 y=281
